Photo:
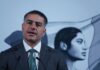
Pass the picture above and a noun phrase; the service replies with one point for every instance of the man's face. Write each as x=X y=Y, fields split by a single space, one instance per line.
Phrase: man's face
x=33 y=28
x=78 y=48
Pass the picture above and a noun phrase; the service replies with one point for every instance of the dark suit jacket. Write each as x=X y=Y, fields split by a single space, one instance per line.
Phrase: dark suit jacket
x=16 y=58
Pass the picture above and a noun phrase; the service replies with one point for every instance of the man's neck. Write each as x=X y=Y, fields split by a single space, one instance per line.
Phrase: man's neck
x=32 y=43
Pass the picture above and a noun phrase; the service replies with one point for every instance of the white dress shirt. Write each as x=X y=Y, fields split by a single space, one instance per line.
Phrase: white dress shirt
x=37 y=48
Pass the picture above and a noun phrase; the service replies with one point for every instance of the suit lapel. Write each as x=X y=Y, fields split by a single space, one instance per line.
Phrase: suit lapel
x=44 y=57
x=22 y=58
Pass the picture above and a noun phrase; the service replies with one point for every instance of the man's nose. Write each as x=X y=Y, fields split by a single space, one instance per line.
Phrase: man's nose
x=33 y=25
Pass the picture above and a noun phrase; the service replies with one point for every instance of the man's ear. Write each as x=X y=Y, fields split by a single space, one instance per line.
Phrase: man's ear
x=63 y=46
x=44 y=32
x=22 y=26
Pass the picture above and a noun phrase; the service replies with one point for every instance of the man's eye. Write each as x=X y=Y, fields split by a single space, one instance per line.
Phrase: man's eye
x=29 y=22
x=38 y=24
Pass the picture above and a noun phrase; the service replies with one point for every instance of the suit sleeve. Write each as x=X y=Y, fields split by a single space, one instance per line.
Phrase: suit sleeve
x=3 y=61
x=57 y=62
x=62 y=63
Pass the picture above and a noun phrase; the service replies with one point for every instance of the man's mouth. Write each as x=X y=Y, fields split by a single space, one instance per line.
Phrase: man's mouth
x=32 y=33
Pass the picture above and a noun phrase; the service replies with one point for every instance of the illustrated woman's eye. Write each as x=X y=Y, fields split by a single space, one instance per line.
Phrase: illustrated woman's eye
x=80 y=41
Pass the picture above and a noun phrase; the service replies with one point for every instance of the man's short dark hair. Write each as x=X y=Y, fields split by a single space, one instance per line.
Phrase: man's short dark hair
x=38 y=13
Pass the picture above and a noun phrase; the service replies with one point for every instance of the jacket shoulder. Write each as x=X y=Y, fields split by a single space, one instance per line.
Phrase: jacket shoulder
x=12 y=49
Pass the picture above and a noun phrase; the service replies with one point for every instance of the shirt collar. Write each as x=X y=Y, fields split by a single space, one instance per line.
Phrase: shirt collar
x=37 y=47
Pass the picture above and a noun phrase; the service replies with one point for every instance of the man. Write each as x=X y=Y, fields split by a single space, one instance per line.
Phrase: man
x=17 y=57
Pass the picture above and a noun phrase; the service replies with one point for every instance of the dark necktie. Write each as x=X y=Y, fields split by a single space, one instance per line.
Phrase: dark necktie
x=32 y=60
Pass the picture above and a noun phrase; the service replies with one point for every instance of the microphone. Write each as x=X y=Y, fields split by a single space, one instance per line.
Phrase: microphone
x=42 y=63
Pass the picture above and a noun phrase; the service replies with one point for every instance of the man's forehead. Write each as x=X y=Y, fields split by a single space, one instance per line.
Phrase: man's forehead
x=34 y=17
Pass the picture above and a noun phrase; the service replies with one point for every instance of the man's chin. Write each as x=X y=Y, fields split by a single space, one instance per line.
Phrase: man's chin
x=32 y=39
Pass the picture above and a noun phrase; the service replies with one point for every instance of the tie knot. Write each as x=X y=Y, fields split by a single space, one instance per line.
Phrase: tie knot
x=32 y=50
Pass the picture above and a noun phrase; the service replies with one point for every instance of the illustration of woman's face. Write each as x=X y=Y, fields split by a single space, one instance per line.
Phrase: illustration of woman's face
x=78 y=48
